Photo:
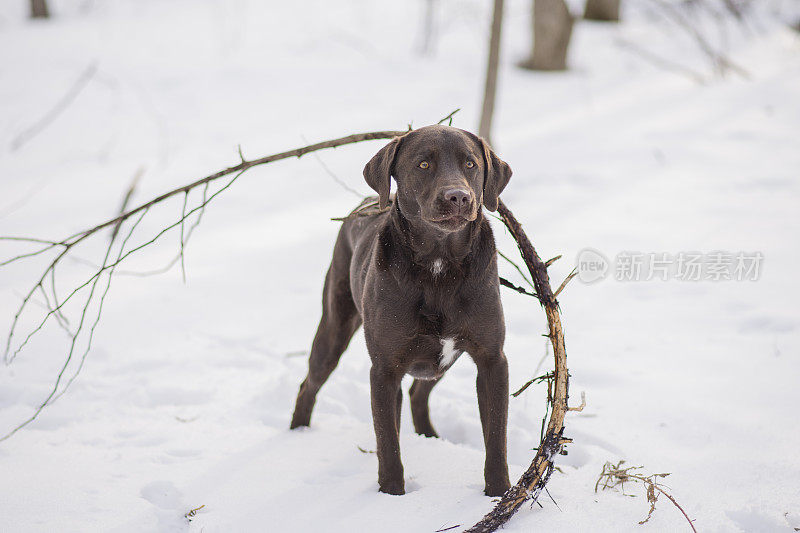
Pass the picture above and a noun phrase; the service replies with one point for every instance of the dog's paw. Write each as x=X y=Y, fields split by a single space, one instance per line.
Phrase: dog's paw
x=397 y=489
x=497 y=489
x=298 y=424
x=300 y=418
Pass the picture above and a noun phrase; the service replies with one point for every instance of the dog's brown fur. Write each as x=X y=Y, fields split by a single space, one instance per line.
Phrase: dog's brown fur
x=422 y=278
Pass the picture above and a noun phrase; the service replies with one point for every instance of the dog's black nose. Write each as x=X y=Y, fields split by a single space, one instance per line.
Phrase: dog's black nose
x=459 y=197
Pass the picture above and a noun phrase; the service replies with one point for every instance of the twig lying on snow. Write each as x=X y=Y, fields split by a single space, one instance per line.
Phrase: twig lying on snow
x=614 y=475
x=581 y=406
x=188 y=516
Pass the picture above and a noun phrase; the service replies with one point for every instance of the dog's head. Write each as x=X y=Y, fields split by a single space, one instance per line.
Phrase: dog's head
x=443 y=175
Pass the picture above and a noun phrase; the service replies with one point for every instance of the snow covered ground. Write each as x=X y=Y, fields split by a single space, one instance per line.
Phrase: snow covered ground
x=186 y=396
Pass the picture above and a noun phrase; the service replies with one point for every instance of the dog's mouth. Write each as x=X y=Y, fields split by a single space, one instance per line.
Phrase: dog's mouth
x=450 y=223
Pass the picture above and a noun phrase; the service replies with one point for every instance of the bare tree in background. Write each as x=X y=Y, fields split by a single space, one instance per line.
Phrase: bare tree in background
x=39 y=9
x=487 y=112
x=427 y=41
x=605 y=10
x=552 y=29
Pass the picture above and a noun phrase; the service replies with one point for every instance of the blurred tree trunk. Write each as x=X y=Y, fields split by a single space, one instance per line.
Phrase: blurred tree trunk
x=428 y=28
x=552 y=29
x=487 y=112
x=39 y=9
x=607 y=10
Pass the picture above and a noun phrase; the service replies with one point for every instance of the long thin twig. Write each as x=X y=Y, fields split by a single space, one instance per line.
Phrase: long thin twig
x=105 y=266
x=64 y=247
x=449 y=117
x=177 y=256
x=67 y=244
x=517 y=268
x=75 y=89
x=505 y=283
x=245 y=165
x=552 y=260
x=183 y=242
x=126 y=199
x=99 y=308
x=92 y=282
x=659 y=61
x=564 y=283
x=331 y=173
x=53 y=395
x=720 y=61
x=537 y=379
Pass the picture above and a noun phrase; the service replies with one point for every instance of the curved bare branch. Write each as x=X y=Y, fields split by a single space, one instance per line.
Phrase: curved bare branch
x=533 y=481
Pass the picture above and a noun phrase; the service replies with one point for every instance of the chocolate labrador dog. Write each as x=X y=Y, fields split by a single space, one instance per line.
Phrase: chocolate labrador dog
x=422 y=277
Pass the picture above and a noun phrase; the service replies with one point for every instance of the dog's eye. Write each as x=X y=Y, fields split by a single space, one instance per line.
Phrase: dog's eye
x=470 y=164
x=424 y=164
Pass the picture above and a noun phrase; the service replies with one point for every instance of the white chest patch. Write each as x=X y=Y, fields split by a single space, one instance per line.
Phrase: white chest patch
x=449 y=352
x=437 y=267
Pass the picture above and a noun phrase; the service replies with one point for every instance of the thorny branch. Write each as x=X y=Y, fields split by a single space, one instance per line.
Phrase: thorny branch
x=535 y=478
x=614 y=475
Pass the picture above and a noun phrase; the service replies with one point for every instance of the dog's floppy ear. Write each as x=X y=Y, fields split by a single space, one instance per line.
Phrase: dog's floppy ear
x=495 y=176
x=378 y=172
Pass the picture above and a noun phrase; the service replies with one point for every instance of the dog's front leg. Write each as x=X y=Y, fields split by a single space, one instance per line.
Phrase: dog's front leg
x=384 y=386
x=492 y=385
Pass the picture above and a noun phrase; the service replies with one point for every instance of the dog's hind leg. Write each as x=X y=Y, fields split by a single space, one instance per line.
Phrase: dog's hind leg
x=419 y=392
x=340 y=320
